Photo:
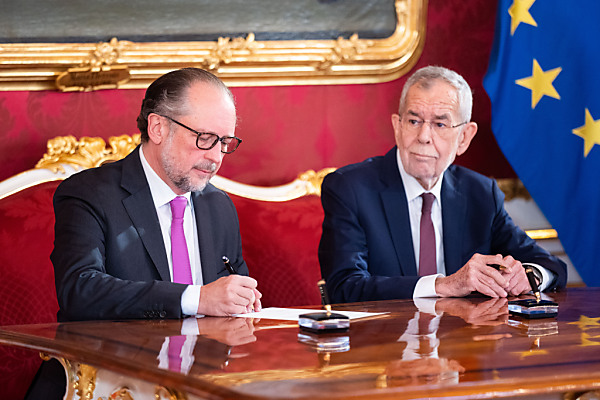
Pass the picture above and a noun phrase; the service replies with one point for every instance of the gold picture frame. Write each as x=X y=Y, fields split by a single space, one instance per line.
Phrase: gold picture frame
x=239 y=61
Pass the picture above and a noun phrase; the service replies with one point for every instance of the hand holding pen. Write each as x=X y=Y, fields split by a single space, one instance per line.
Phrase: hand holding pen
x=520 y=277
x=229 y=295
x=232 y=271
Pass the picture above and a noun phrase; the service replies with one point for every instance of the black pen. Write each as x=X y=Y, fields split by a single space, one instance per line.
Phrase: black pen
x=533 y=283
x=228 y=265
x=497 y=267
x=324 y=296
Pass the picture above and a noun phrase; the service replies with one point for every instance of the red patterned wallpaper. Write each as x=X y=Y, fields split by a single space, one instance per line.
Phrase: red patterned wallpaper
x=286 y=130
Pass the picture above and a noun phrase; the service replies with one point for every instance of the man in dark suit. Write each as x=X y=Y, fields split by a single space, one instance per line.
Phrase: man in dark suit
x=112 y=252
x=372 y=246
x=114 y=256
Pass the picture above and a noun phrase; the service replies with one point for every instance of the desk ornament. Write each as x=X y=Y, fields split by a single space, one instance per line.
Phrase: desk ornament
x=533 y=308
x=324 y=322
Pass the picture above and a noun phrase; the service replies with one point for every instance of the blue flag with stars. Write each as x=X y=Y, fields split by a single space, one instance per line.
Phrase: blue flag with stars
x=544 y=83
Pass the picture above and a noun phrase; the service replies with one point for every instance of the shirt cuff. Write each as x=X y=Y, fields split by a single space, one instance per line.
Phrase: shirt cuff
x=425 y=286
x=190 y=300
x=547 y=276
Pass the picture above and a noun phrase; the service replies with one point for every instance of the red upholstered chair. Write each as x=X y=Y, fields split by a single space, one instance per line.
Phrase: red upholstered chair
x=27 y=293
x=279 y=243
x=280 y=228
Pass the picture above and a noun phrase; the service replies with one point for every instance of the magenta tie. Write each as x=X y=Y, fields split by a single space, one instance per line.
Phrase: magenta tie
x=175 y=347
x=182 y=273
x=427 y=263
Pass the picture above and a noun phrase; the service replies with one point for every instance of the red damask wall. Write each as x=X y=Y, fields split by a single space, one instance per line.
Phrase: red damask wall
x=286 y=130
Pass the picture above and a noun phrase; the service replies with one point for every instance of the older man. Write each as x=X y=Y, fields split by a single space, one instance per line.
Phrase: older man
x=117 y=253
x=410 y=224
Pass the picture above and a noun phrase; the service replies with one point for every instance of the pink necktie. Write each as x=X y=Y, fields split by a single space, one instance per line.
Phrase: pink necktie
x=427 y=263
x=182 y=273
x=175 y=347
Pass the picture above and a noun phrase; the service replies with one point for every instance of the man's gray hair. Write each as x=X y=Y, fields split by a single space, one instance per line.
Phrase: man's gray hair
x=425 y=76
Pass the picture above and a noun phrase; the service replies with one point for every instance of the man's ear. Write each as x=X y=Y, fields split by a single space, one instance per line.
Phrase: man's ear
x=466 y=136
x=158 y=128
x=396 y=125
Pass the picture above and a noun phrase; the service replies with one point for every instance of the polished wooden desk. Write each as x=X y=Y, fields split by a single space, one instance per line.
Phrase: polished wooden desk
x=473 y=351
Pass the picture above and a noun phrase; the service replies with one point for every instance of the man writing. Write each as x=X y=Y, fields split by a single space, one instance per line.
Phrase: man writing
x=114 y=254
x=144 y=237
x=410 y=224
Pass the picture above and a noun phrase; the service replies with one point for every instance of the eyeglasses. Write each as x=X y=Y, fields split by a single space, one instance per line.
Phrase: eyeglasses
x=440 y=127
x=206 y=141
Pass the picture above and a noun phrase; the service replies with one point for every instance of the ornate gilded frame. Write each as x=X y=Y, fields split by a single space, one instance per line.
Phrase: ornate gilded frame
x=239 y=61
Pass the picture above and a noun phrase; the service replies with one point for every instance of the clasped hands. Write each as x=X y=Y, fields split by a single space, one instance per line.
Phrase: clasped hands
x=477 y=276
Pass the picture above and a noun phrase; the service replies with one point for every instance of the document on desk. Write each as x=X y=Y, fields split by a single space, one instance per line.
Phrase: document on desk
x=292 y=314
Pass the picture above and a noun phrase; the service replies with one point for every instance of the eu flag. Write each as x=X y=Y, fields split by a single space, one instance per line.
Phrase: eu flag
x=544 y=83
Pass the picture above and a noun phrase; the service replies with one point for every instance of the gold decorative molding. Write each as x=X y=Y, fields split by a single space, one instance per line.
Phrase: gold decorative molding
x=87 y=152
x=314 y=180
x=85 y=384
x=513 y=189
x=169 y=394
x=239 y=61
x=121 y=394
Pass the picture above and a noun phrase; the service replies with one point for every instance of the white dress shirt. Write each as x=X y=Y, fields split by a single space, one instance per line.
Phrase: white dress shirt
x=162 y=196
x=425 y=286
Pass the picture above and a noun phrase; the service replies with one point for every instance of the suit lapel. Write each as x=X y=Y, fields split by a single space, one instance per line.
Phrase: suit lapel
x=205 y=239
x=396 y=213
x=454 y=211
x=141 y=210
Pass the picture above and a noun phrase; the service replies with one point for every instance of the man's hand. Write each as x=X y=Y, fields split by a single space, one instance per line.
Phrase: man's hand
x=233 y=294
x=476 y=276
x=515 y=274
x=489 y=312
x=230 y=331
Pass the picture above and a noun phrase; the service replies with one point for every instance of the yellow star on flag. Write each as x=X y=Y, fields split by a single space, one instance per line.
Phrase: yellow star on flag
x=588 y=340
x=519 y=12
x=590 y=132
x=540 y=83
x=586 y=322
x=532 y=352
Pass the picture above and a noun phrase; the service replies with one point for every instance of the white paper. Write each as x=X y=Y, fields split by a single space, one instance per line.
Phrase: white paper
x=292 y=314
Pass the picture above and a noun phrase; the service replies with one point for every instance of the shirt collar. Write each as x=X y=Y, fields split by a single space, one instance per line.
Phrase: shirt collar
x=161 y=192
x=412 y=187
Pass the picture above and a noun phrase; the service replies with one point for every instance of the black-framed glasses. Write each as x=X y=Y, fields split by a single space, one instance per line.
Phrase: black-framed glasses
x=206 y=141
x=440 y=127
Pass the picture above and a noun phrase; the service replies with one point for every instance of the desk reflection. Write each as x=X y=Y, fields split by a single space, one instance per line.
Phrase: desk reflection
x=451 y=346
x=178 y=352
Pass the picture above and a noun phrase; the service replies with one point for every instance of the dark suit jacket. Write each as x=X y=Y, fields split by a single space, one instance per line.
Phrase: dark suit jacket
x=109 y=257
x=366 y=250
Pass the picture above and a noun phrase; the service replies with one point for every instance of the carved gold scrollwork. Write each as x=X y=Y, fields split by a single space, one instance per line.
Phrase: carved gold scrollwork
x=223 y=52
x=314 y=179
x=345 y=50
x=98 y=70
x=121 y=394
x=169 y=394
x=85 y=384
x=86 y=152
x=106 y=53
